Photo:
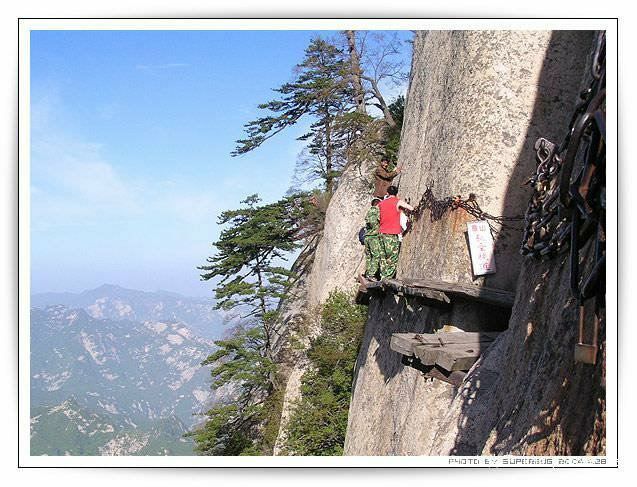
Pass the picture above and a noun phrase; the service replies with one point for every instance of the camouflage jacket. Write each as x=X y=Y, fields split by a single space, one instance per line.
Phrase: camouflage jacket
x=372 y=222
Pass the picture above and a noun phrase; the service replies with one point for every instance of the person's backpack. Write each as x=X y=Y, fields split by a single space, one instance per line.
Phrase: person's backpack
x=361 y=236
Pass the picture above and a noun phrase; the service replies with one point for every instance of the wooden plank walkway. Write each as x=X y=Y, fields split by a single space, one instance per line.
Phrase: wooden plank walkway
x=451 y=352
x=497 y=297
x=435 y=293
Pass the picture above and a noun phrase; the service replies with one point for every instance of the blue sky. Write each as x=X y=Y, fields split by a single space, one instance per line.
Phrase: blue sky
x=131 y=134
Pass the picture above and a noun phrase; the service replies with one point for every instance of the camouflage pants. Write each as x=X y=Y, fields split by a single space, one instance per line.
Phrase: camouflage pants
x=389 y=261
x=373 y=255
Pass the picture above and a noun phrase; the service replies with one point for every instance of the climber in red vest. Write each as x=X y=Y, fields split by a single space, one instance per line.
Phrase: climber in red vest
x=390 y=229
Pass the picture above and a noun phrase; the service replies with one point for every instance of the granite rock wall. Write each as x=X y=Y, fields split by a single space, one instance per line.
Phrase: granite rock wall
x=477 y=102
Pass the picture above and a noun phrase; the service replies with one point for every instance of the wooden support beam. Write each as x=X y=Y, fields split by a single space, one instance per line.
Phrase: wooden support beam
x=427 y=354
x=454 y=378
x=374 y=286
x=407 y=341
x=456 y=357
x=496 y=297
x=403 y=343
x=449 y=351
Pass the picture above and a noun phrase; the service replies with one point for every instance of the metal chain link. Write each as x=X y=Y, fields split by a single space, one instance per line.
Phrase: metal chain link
x=438 y=207
x=550 y=213
x=568 y=205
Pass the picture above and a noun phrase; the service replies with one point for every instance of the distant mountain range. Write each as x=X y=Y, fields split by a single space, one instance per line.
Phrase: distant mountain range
x=117 y=303
x=117 y=371
x=70 y=429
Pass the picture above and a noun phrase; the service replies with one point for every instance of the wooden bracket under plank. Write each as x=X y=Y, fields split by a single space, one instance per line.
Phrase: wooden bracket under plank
x=451 y=357
x=450 y=351
x=454 y=378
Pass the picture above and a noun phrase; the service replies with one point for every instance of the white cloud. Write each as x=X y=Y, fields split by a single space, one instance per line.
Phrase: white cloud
x=73 y=183
x=76 y=171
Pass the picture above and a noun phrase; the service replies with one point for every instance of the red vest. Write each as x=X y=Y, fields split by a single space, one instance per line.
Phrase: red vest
x=390 y=216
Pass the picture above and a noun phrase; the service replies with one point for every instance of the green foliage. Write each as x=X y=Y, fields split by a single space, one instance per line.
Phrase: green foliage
x=254 y=239
x=318 y=423
x=392 y=140
x=322 y=90
x=318 y=90
x=241 y=360
x=232 y=428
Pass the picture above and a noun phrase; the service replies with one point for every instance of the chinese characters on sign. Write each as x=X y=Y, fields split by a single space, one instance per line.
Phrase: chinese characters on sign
x=481 y=248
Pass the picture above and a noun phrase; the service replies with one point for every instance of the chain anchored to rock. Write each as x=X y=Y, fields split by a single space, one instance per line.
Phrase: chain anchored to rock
x=568 y=205
x=438 y=207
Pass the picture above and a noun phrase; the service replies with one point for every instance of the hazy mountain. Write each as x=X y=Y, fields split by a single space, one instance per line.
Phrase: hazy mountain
x=118 y=303
x=112 y=374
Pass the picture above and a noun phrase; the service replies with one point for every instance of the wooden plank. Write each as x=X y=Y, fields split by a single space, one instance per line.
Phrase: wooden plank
x=427 y=354
x=428 y=338
x=467 y=337
x=459 y=357
x=431 y=296
x=403 y=343
x=437 y=297
x=445 y=338
x=497 y=297
x=457 y=360
x=451 y=356
x=450 y=351
x=374 y=286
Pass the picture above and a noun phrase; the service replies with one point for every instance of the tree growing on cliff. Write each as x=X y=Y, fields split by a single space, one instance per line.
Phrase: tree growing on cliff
x=380 y=64
x=248 y=250
x=392 y=136
x=320 y=90
x=252 y=280
x=334 y=85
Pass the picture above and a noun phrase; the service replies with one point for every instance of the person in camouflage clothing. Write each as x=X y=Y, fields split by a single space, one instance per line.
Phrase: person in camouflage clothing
x=390 y=248
x=373 y=248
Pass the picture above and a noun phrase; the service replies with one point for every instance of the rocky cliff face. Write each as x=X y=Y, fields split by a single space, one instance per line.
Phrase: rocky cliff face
x=331 y=262
x=476 y=104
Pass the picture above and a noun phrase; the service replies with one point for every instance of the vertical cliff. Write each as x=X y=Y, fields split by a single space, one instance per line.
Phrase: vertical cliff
x=477 y=102
x=333 y=261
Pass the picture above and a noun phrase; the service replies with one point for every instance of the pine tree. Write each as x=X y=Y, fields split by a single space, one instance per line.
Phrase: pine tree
x=323 y=92
x=318 y=420
x=250 y=251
